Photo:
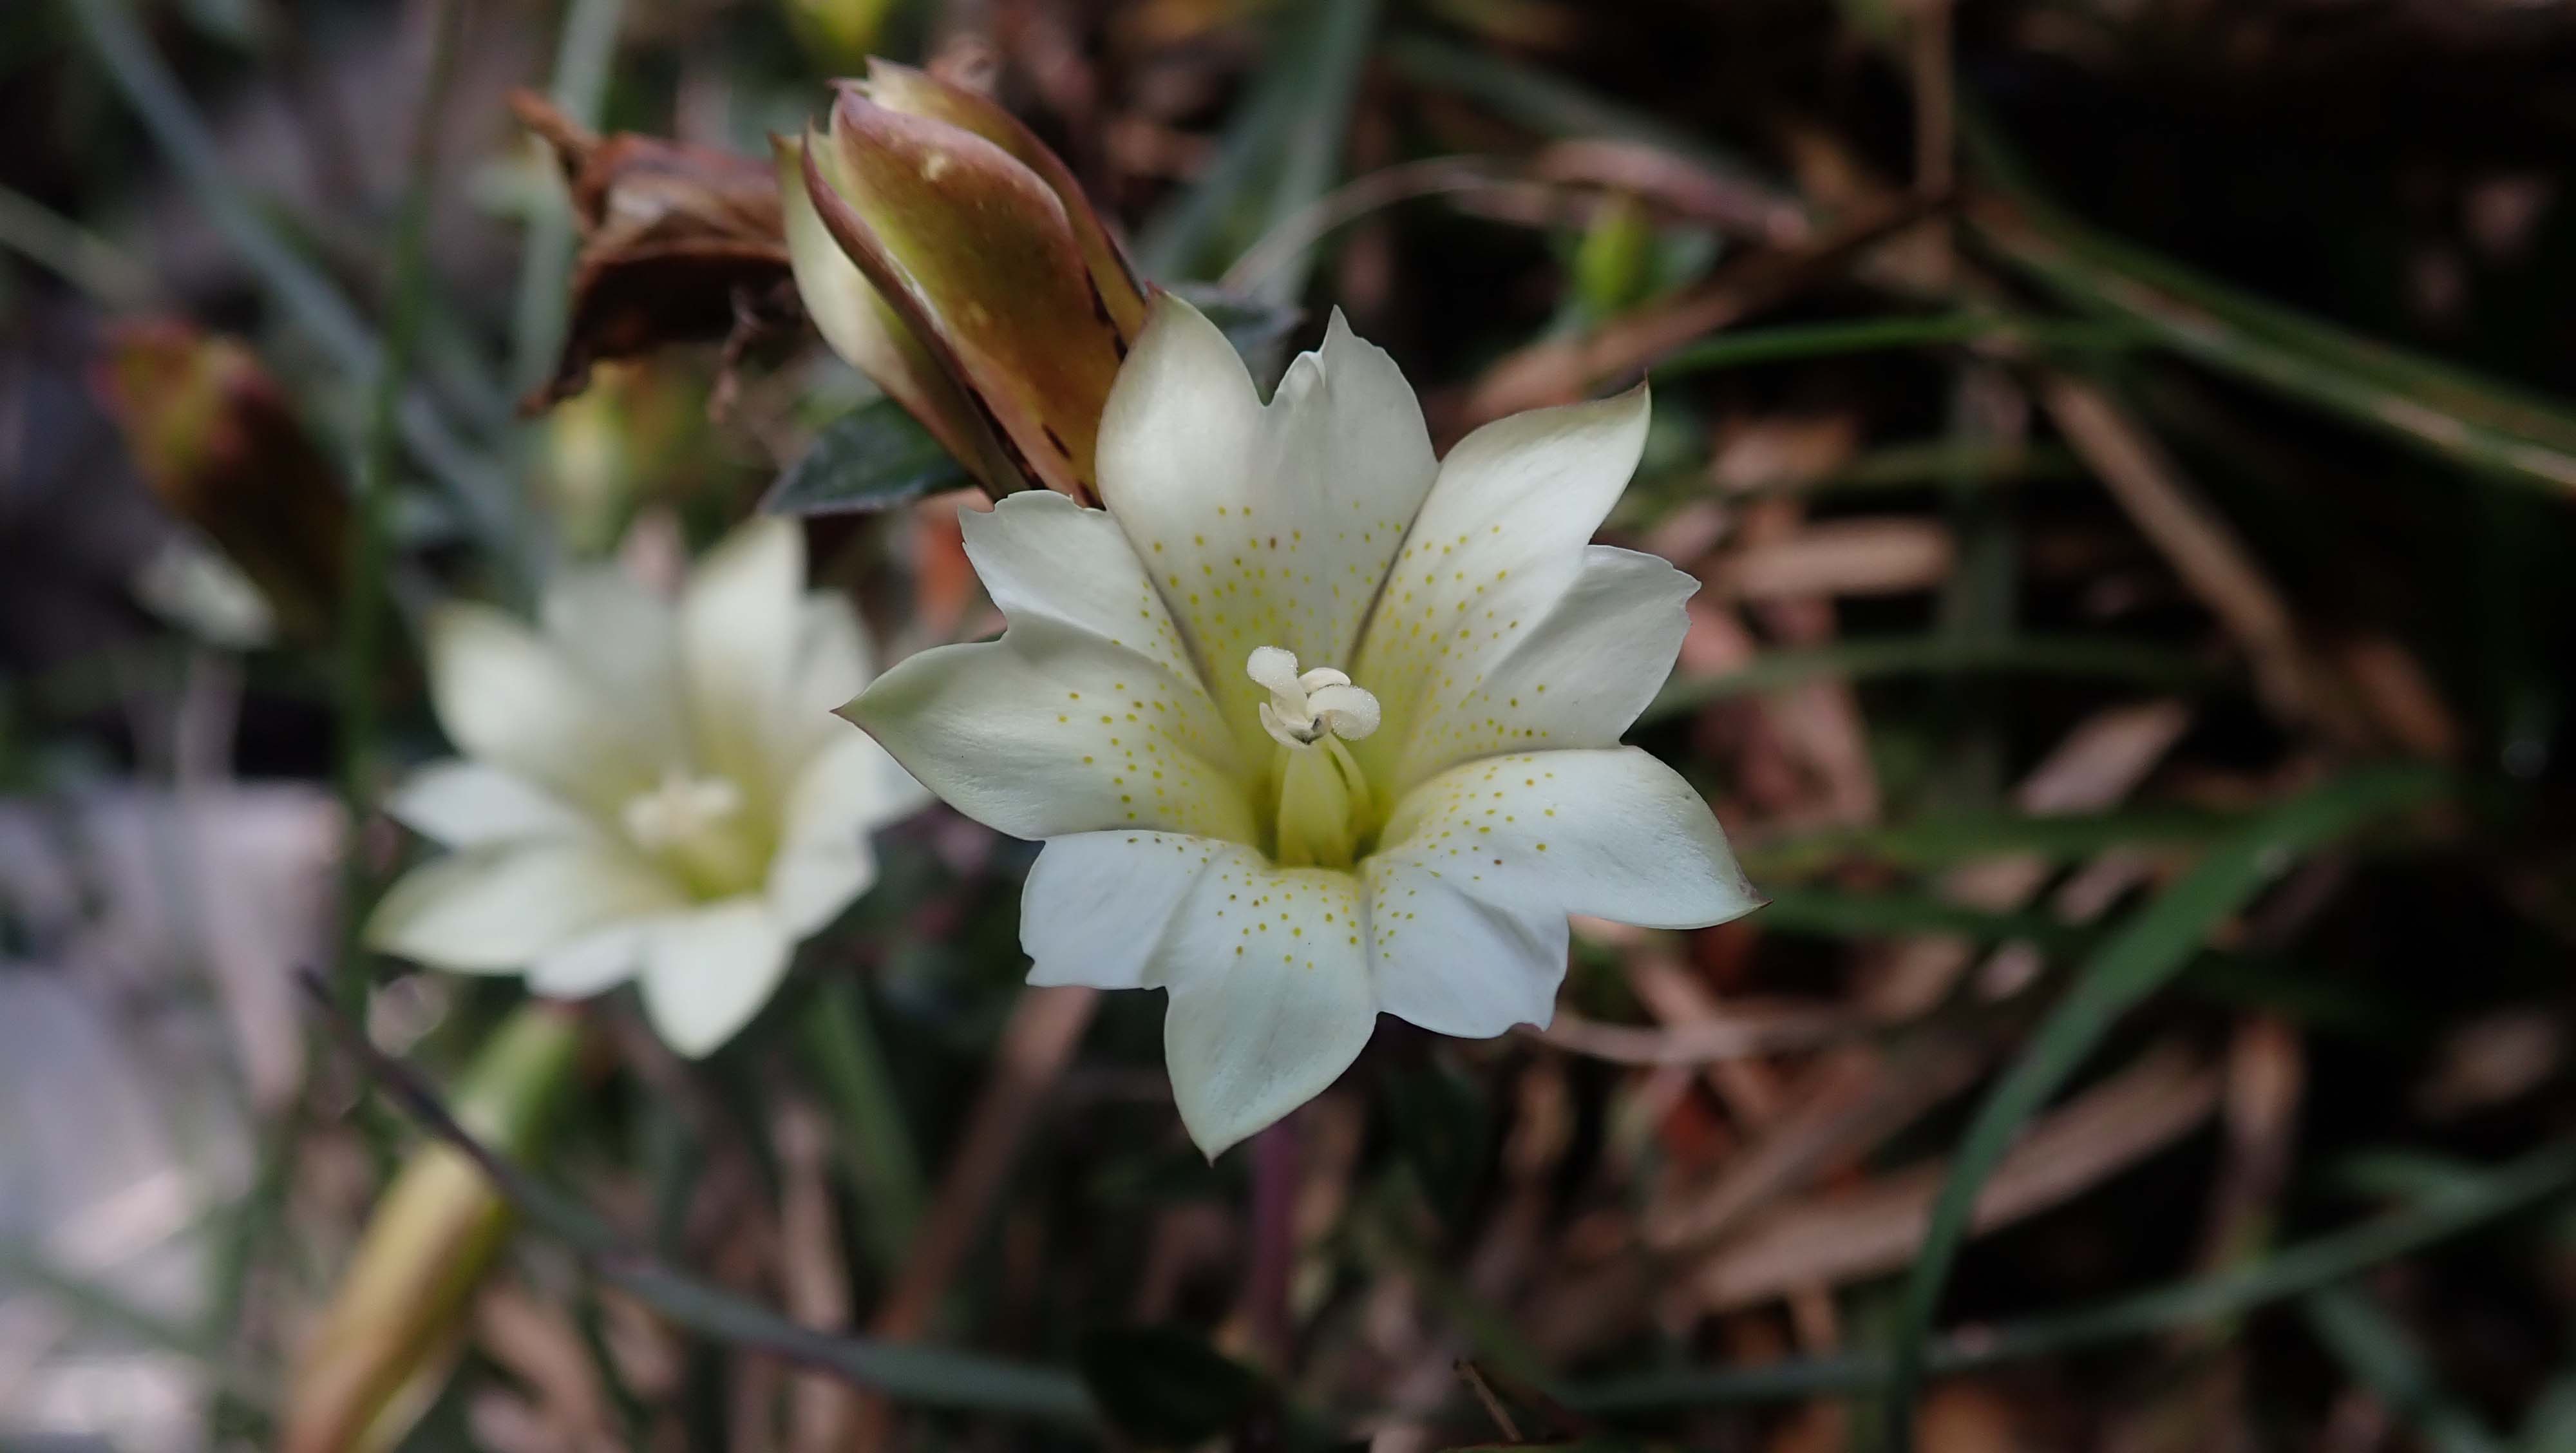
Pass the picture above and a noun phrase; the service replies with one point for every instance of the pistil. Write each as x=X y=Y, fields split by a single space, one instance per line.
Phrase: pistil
x=1324 y=802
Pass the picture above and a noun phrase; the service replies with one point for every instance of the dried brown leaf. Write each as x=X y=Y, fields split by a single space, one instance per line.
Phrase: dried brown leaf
x=1837 y=1238
x=676 y=240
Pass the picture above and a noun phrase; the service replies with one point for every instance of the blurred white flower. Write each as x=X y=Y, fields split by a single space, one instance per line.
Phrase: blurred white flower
x=648 y=790
x=1315 y=725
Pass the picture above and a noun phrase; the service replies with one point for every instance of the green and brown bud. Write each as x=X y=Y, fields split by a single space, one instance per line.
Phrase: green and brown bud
x=945 y=252
x=220 y=445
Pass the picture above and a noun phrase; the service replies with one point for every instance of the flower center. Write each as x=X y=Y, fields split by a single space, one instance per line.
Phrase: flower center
x=1324 y=804
x=696 y=827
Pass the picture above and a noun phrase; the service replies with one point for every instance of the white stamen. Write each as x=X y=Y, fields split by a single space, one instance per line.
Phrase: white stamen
x=679 y=810
x=1304 y=708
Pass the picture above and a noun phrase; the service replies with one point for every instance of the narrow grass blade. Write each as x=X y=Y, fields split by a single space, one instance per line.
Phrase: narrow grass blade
x=364 y=598
x=1280 y=153
x=1881 y=335
x=578 y=88
x=1825 y=914
x=2141 y=957
x=2088 y=656
x=2294 y=1271
x=1553 y=106
x=1311 y=158
x=2377 y=1353
x=1944 y=840
x=2447 y=411
x=848 y=1058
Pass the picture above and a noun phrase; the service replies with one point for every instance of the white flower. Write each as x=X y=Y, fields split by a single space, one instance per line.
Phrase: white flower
x=648 y=790
x=1314 y=725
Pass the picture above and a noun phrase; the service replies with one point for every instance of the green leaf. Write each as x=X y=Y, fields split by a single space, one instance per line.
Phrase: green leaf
x=874 y=457
x=2148 y=951
x=1165 y=1385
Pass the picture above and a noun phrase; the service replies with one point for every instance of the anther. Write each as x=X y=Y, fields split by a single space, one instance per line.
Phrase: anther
x=1305 y=707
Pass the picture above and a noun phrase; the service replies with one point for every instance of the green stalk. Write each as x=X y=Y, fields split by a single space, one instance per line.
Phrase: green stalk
x=363 y=605
x=385 y=1346
x=2378 y=1354
x=841 y=1042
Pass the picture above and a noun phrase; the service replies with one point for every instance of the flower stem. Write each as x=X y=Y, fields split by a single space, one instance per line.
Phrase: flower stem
x=362 y=608
x=1276 y=1165
x=841 y=1041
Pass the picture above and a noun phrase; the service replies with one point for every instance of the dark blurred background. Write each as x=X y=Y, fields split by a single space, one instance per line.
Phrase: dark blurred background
x=2126 y=448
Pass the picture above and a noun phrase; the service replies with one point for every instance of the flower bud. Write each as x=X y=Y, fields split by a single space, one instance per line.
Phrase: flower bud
x=376 y=1360
x=937 y=242
x=217 y=441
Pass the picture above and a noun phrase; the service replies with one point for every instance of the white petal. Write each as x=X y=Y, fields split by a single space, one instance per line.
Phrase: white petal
x=1499 y=541
x=1271 y=998
x=1040 y=555
x=824 y=859
x=1261 y=527
x=507 y=697
x=832 y=666
x=1098 y=905
x=624 y=640
x=832 y=663
x=600 y=959
x=1614 y=834
x=1458 y=965
x=739 y=639
x=462 y=804
x=1050 y=731
x=810 y=883
x=498 y=909
x=1577 y=680
x=707 y=971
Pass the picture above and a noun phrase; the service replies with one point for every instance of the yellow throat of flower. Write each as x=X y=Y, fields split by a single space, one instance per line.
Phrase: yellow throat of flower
x=698 y=828
x=1325 y=810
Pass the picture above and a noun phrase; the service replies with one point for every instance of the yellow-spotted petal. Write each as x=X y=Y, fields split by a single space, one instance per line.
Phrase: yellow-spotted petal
x=1050 y=730
x=1615 y=834
x=1099 y=905
x=1262 y=527
x=1270 y=993
x=1042 y=556
x=1456 y=964
x=1499 y=541
x=1576 y=679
